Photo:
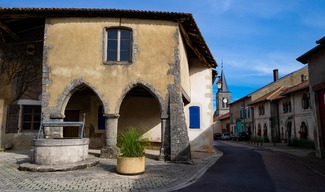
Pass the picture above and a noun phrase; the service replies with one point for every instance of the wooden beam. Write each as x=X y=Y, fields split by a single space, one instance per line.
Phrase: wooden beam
x=190 y=44
x=9 y=31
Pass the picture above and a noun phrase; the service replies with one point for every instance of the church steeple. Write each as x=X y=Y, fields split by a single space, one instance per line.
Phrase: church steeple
x=224 y=86
x=223 y=97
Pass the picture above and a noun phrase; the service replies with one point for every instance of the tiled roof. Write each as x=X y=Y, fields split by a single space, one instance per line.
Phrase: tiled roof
x=222 y=117
x=301 y=86
x=273 y=95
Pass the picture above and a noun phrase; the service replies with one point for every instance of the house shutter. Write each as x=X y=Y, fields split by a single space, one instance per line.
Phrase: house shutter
x=194 y=117
x=12 y=119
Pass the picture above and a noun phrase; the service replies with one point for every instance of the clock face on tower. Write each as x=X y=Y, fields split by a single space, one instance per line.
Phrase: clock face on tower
x=225 y=100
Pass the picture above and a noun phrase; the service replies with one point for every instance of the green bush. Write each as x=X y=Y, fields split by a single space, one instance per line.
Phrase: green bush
x=266 y=140
x=304 y=143
x=131 y=144
x=293 y=142
x=256 y=138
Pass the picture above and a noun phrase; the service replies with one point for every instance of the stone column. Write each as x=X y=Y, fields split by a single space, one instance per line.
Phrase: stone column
x=110 y=150
x=164 y=126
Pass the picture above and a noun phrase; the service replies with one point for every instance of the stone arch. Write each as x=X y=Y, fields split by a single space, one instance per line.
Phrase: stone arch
x=71 y=88
x=288 y=127
x=146 y=86
x=303 y=129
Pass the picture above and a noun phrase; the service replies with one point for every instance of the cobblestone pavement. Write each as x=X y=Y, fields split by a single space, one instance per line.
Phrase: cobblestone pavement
x=159 y=175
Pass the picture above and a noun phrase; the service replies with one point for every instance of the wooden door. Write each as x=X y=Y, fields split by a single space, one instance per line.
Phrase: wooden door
x=71 y=115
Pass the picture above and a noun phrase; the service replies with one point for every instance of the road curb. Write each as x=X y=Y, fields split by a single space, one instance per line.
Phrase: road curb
x=210 y=161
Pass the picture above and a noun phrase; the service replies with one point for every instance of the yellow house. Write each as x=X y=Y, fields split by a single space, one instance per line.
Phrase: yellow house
x=120 y=68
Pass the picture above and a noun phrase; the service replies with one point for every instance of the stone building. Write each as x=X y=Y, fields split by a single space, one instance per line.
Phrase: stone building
x=278 y=112
x=258 y=112
x=241 y=116
x=295 y=113
x=121 y=68
x=222 y=124
x=315 y=58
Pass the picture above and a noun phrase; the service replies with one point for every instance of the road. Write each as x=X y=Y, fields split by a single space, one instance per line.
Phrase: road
x=247 y=168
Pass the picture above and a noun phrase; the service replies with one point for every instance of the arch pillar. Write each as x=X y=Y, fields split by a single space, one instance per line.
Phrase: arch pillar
x=110 y=149
x=164 y=138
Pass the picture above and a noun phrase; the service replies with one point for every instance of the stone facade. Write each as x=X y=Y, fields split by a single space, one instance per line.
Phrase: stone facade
x=315 y=58
x=241 y=116
x=153 y=91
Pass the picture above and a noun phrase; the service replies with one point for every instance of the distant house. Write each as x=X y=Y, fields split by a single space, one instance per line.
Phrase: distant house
x=241 y=116
x=222 y=124
x=121 y=68
x=295 y=113
x=315 y=58
x=260 y=111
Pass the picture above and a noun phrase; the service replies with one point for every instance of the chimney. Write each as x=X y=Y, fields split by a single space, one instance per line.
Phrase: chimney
x=275 y=75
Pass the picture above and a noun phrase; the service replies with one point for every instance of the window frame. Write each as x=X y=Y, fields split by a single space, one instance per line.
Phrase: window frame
x=32 y=121
x=118 y=61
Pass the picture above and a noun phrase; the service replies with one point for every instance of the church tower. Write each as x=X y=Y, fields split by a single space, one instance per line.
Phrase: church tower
x=223 y=96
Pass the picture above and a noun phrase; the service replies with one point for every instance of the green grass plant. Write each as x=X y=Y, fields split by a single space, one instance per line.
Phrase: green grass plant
x=131 y=144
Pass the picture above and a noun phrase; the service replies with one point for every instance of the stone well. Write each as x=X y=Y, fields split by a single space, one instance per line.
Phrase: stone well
x=60 y=151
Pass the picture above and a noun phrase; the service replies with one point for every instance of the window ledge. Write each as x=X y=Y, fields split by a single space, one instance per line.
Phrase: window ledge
x=117 y=63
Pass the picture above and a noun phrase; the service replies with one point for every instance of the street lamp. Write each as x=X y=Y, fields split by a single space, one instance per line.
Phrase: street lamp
x=219 y=83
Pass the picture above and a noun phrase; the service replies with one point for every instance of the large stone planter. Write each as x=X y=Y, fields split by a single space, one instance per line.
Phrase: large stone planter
x=130 y=165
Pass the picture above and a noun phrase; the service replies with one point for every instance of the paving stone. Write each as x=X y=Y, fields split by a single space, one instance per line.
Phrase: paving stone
x=159 y=175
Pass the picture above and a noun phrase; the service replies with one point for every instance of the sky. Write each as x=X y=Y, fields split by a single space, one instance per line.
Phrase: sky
x=249 y=37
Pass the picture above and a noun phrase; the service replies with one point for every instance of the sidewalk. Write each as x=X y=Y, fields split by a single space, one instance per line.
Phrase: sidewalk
x=304 y=156
x=159 y=175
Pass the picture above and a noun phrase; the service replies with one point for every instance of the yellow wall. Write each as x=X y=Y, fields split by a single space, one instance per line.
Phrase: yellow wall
x=184 y=68
x=75 y=49
x=142 y=113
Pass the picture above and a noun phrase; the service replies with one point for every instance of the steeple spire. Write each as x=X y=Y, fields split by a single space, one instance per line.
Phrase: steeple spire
x=222 y=78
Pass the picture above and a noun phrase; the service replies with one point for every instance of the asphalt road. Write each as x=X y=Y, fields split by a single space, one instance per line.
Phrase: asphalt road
x=246 y=168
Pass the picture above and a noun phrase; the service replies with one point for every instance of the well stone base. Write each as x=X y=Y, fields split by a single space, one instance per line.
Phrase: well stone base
x=59 y=151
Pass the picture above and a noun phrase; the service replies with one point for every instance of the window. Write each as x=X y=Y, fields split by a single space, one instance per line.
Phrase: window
x=261 y=110
x=303 y=131
x=119 y=45
x=223 y=103
x=259 y=130
x=305 y=101
x=101 y=118
x=248 y=113
x=194 y=117
x=31 y=117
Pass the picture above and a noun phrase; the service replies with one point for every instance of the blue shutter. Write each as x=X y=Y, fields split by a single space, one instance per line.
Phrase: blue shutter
x=101 y=118
x=194 y=117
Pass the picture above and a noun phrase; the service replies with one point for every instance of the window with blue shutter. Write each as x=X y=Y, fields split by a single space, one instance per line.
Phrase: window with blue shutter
x=101 y=118
x=194 y=117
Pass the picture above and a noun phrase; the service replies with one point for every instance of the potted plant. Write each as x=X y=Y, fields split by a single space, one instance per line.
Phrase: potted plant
x=131 y=159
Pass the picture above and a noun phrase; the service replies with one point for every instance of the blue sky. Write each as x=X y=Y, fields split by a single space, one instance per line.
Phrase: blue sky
x=251 y=37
